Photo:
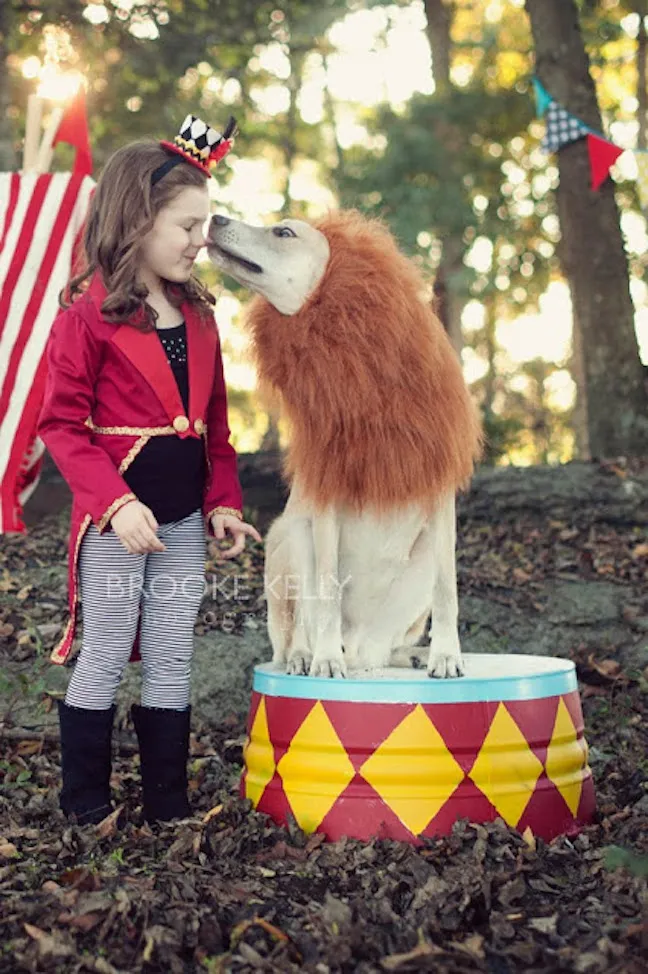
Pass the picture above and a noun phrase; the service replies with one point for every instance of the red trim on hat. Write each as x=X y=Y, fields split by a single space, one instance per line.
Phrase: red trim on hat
x=221 y=150
x=172 y=147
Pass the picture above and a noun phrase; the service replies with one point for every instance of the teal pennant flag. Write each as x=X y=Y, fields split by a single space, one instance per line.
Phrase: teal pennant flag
x=542 y=96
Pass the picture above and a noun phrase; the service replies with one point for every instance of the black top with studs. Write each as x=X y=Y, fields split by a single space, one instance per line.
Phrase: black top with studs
x=169 y=474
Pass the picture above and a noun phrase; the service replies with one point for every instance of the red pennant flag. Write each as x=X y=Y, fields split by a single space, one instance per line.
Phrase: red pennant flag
x=602 y=156
x=74 y=130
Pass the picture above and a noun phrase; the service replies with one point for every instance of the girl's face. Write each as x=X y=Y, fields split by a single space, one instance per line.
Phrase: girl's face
x=169 y=249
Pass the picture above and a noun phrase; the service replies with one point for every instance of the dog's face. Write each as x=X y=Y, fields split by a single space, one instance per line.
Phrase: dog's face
x=284 y=262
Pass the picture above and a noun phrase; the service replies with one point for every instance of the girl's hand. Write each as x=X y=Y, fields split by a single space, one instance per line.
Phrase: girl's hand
x=135 y=526
x=223 y=523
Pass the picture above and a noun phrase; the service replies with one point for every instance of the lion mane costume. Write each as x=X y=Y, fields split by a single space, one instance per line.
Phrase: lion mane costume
x=382 y=434
x=373 y=391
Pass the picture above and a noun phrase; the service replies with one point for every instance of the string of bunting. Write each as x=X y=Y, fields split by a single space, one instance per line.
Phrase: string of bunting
x=563 y=128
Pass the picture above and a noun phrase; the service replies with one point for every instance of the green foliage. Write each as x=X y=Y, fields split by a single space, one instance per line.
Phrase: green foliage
x=13 y=776
x=143 y=86
x=22 y=686
x=457 y=169
x=443 y=172
x=618 y=858
x=502 y=434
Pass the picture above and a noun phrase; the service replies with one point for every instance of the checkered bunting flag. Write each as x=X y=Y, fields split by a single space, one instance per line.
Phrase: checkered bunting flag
x=562 y=128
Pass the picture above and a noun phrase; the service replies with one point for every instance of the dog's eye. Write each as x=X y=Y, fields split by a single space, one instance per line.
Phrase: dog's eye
x=283 y=232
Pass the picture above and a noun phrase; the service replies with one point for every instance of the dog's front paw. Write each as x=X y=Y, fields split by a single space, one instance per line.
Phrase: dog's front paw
x=442 y=665
x=333 y=666
x=299 y=663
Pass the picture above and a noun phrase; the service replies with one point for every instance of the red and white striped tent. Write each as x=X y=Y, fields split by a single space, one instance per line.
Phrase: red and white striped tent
x=41 y=217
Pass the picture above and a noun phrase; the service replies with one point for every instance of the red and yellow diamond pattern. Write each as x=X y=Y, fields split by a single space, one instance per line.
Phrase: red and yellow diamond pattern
x=411 y=770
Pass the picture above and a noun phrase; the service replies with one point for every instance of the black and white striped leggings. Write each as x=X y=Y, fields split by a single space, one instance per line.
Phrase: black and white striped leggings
x=168 y=585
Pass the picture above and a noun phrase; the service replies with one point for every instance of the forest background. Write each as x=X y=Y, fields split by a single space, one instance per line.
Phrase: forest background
x=421 y=113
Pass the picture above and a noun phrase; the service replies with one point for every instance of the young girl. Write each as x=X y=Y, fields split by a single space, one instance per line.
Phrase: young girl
x=135 y=418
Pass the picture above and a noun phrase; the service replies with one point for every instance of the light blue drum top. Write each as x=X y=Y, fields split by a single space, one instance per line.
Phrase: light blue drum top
x=488 y=677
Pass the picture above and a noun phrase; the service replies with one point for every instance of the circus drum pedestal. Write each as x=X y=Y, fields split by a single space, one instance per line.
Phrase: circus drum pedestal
x=402 y=756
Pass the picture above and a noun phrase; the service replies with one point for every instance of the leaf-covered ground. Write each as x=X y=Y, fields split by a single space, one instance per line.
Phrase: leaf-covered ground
x=229 y=891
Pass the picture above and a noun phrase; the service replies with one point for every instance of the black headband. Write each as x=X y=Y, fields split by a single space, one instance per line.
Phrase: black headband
x=166 y=167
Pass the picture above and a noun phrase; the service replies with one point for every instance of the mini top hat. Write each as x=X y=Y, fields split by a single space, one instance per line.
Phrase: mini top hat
x=197 y=143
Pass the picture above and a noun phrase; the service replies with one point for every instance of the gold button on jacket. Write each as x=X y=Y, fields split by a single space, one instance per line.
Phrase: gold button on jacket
x=181 y=424
x=199 y=427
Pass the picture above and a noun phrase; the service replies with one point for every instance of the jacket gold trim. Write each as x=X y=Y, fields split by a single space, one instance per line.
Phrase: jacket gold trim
x=131 y=430
x=114 y=507
x=231 y=511
x=57 y=655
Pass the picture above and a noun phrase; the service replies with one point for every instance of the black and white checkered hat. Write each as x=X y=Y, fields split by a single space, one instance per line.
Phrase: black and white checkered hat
x=197 y=143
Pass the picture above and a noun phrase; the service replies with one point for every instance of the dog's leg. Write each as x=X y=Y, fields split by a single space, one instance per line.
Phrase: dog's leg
x=281 y=609
x=324 y=613
x=410 y=654
x=300 y=588
x=445 y=652
x=289 y=573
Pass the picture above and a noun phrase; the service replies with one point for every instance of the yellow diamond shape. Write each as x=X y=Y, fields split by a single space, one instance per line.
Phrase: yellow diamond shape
x=506 y=769
x=315 y=769
x=566 y=758
x=258 y=756
x=413 y=771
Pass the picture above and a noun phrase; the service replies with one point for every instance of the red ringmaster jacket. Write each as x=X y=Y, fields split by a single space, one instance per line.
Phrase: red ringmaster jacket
x=109 y=390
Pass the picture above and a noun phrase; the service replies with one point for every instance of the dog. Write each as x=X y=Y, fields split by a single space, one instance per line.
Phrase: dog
x=382 y=434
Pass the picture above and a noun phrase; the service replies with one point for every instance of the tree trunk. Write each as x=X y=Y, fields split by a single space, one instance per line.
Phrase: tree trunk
x=449 y=302
x=271 y=440
x=7 y=153
x=591 y=252
x=439 y=22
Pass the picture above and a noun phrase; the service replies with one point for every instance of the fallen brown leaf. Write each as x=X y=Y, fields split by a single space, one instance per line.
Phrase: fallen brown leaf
x=48 y=945
x=212 y=813
x=25 y=748
x=108 y=825
x=80 y=878
x=473 y=946
x=544 y=924
x=529 y=838
x=241 y=928
x=84 y=921
x=394 y=961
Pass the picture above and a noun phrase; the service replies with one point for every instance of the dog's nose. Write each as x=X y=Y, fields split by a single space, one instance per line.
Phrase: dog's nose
x=220 y=220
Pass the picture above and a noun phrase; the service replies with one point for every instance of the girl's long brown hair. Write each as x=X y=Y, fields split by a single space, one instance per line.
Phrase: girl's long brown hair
x=122 y=211
x=379 y=412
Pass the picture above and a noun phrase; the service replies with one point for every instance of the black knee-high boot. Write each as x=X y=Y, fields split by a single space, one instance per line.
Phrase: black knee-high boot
x=86 y=737
x=163 y=737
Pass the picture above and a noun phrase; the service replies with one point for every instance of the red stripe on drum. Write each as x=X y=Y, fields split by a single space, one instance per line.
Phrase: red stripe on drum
x=361 y=813
x=536 y=719
x=274 y=801
x=547 y=813
x=285 y=717
x=463 y=727
x=363 y=727
x=467 y=802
